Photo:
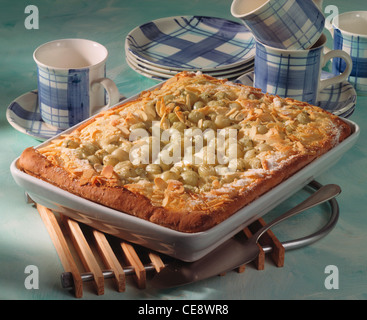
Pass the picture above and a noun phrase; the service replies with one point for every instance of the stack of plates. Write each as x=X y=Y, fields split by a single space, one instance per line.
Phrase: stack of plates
x=161 y=48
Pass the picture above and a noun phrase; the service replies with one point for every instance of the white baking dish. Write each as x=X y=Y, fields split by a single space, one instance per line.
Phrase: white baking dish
x=184 y=246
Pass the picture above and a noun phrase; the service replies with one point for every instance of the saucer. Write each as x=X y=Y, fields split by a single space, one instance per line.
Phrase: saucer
x=162 y=76
x=144 y=73
x=191 y=43
x=339 y=99
x=222 y=72
x=24 y=115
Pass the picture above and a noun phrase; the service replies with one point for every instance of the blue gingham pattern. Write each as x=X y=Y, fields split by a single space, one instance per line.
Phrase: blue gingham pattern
x=60 y=101
x=288 y=75
x=171 y=71
x=356 y=47
x=192 y=43
x=163 y=75
x=339 y=99
x=360 y=84
x=287 y=24
x=24 y=115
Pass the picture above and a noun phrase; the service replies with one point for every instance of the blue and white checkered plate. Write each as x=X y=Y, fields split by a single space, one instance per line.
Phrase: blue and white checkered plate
x=339 y=99
x=23 y=114
x=162 y=74
x=191 y=43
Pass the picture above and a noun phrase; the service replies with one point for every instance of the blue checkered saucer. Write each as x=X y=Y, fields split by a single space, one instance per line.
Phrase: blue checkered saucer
x=162 y=75
x=23 y=114
x=169 y=73
x=339 y=99
x=191 y=43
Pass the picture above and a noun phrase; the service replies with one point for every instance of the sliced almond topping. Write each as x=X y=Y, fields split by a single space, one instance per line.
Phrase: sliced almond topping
x=160 y=107
x=175 y=186
x=232 y=111
x=108 y=172
x=165 y=201
x=179 y=115
x=200 y=123
x=160 y=183
x=142 y=115
x=216 y=184
x=125 y=131
x=88 y=173
x=165 y=124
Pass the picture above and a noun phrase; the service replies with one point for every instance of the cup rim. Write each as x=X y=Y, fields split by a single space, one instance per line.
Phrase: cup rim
x=322 y=38
x=94 y=65
x=345 y=31
x=248 y=13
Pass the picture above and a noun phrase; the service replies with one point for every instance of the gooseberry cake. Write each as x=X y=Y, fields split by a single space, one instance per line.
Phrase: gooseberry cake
x=189 y=154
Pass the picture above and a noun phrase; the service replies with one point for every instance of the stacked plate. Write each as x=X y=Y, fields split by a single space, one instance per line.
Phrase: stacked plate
x=161 y=48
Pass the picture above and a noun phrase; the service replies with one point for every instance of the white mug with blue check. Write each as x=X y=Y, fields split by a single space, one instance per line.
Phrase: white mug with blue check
x=72 y=81
x=284 y=24
x=296 y=73
x=349 y=31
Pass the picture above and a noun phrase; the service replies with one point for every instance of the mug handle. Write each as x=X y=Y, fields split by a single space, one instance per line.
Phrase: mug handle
x=341 y=77
x=330 y=28
x=112 y=91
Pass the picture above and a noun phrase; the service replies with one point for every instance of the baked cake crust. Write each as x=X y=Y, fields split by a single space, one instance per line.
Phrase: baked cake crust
x=115 y=159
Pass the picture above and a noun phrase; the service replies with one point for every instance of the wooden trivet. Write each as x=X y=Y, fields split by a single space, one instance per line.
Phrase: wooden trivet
x=90 y=255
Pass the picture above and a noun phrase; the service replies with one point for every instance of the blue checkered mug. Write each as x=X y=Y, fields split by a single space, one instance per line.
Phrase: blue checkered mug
x=296 y=73
x=284 y=24
x=349 y=31
x=72 y=81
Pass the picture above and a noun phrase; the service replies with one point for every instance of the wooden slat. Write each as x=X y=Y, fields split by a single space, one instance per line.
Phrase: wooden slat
x=260 y=259
x=61 y=247
x=156 y=261
x=85 y=253
x=110 y=259
x=241 y=269
x=135 y=262
x=269 y=239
